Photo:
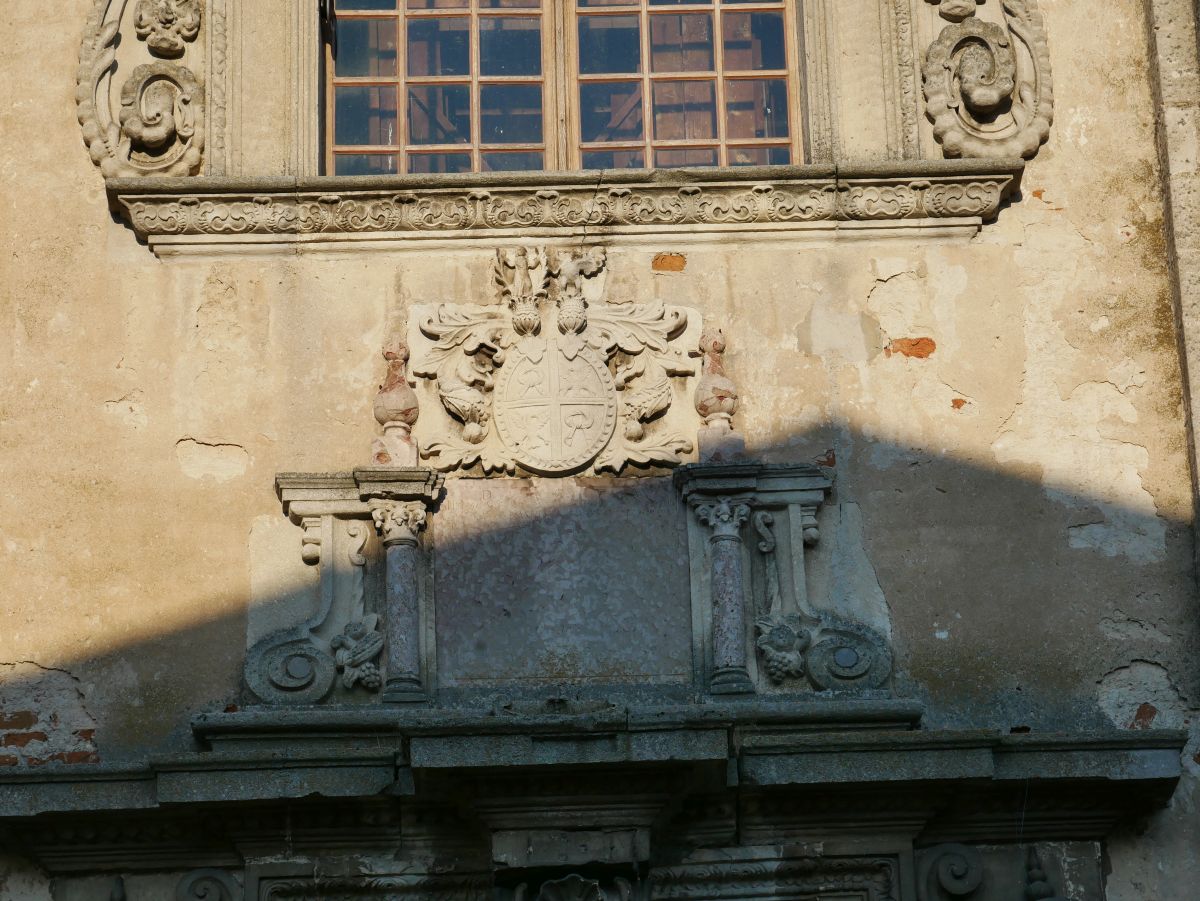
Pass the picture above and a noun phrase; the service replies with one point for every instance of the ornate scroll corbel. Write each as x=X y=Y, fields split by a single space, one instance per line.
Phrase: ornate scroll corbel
x=159 y=125
x=988 y=87
x=208 y=884
x=948 y=871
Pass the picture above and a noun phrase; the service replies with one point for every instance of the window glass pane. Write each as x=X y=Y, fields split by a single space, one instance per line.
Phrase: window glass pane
x=684 y=110
x=681 y=43
x=510 y=45
x=439 y=114
x=438 y=4
x=512 y=162
x=439 y=46
x=614 y=159
x=676 y=2
x=365 y=115
x=611 y=111
x=510 y=113
x=754 y=41
x=366 y=4
x=496 y=4
x=756 y=108
x=609 y=44
x=364 y=164
x=366 y=47
x=608 y=2
x=419 y=163
x=759 y=156
x=689 y=156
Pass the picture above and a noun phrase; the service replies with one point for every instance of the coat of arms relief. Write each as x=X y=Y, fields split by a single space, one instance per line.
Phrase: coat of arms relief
x=555 y=378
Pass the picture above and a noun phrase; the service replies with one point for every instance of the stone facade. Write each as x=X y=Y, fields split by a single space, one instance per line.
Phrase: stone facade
x=796 y=532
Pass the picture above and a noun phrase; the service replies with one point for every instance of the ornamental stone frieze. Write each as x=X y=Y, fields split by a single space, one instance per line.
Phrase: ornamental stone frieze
x=988 y=86
x=139 y=101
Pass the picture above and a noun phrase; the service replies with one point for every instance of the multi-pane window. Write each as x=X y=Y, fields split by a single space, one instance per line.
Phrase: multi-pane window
x=504 y=85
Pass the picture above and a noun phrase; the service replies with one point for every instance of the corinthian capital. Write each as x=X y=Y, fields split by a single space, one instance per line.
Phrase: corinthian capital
x=398 y=522
x=724 y=517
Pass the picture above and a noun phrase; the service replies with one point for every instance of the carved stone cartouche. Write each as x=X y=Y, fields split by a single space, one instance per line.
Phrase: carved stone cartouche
x=550 y=380
x=983 y=100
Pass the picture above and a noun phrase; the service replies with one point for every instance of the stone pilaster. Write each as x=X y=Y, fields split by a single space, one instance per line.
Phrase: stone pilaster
x=399 y=524
x=725 y=518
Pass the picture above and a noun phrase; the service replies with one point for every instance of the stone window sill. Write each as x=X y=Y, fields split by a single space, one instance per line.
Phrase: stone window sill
x=219 y=215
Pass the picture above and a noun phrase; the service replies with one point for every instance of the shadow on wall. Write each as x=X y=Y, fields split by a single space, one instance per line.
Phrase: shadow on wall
x=1010 y=605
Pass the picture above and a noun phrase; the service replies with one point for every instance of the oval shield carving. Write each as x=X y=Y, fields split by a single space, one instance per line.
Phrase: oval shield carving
x=554 y=410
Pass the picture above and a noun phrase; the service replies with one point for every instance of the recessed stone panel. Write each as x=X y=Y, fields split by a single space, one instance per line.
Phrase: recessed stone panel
x=570 y=580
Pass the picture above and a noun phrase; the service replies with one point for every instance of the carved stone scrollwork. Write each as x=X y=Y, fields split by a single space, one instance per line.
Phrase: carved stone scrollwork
x=208 y=884
x=159 y=129
x=552 y=379
x=948 y=871
x=833 y=653
x=988 y=87
x=167 y=25
x=576 y=888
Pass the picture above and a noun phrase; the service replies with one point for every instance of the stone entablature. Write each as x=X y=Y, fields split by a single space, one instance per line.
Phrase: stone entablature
x=225 y=213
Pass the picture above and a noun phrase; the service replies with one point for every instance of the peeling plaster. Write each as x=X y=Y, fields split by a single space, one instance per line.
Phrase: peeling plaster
x=216 y=460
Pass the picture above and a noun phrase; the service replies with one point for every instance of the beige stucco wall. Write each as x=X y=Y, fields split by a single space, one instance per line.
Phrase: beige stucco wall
x=1014 y=492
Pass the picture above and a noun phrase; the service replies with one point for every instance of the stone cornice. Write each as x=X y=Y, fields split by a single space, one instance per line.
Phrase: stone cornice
x=189 y=213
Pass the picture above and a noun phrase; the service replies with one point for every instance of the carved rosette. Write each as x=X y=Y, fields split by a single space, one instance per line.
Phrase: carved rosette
x=988 y=87
x=552 y=379
x=154 y=123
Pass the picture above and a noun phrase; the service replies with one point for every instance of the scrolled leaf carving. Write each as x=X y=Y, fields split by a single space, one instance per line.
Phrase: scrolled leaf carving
x=948 y=872
x=988 y=87
x=159 y=126
x=208 y=884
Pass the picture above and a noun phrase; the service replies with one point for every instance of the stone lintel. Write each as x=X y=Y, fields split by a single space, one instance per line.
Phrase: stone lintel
x=756 y=484
x=347 y=493
x=218 y=214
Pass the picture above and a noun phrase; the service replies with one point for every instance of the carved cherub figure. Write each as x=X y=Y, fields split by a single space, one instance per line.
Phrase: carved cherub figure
x=956 y=10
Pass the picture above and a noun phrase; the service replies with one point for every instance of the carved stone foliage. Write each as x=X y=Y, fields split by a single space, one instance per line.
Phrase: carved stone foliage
x=575 y=888
x=829 y=651
x=553 y=379
x=158 y=126
x=167 y=25
x=988 y=87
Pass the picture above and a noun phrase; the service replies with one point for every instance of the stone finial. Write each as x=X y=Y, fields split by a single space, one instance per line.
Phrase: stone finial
x=716 y=402
x=396 y=410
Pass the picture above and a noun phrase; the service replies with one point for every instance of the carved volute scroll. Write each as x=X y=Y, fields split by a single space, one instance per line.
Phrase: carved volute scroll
x=988 y=86
x=553 y=380
x=149 y=121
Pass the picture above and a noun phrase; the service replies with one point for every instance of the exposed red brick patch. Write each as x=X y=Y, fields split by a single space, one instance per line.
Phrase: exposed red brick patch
x=231 y=708
x=1039 y=193
x=76 y=757
x=829 y=458
x=958 y=403
x=1020 y=730
x=21 y=739
x=669 y=262
x=920 y=348
x=9 y=760
x=22 y=719
x=84 y=734
x=1144 y=717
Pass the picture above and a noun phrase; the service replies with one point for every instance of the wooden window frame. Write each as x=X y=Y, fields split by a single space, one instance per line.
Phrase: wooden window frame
x=562 y=146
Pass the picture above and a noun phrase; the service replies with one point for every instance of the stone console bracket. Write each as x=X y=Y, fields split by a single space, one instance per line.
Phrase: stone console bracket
x=210 y=214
